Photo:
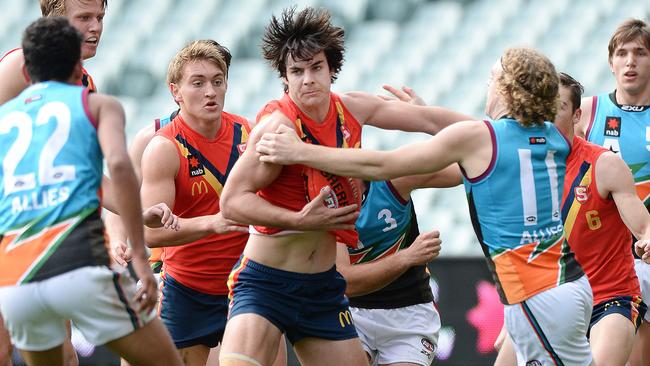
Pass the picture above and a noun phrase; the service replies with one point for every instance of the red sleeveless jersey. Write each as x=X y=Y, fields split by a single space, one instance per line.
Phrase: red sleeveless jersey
x=594 y=228
x=339 y=129
x=204 y=265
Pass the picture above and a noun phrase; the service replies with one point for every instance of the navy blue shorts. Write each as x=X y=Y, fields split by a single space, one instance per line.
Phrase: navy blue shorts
x=192 y=317
x=299 y=304
x=630 y=307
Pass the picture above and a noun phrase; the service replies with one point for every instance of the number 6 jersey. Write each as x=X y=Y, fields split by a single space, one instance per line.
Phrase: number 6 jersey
x=50 y=169
x=515 y=209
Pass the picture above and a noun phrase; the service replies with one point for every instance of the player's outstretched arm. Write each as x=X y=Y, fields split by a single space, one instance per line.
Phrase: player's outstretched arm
x=240 y=202
x=369 y=277
x=397 y=115
x=614 y=177
x=449 y=146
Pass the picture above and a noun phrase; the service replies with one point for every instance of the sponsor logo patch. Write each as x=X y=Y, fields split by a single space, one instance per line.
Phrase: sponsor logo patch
x=427 y=344
x=196 y=168
x=613 y=126
x=533 y=363
x=537 y=140
x=581 y=193
x=634 y=108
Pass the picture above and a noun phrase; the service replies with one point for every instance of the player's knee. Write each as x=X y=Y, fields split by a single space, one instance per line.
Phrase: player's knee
x=237 y=359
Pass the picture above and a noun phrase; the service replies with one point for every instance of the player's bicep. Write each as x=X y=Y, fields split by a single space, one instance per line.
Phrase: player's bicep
x=159 y=167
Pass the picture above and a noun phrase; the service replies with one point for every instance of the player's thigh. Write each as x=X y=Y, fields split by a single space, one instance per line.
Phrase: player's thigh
x=611 y=340
x=317 y=351
x=506 y=355
x=51 y=357
x=249 y=336
x=552 y=325
x=196 y=355
x=640 y=355
x=148 y=345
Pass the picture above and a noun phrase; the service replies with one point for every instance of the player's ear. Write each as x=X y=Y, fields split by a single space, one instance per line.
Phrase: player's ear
x=576 y=116
x=173 y=88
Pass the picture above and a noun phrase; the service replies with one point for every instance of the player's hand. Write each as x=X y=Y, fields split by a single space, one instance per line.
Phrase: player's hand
x=281 y=147
x=160 y=215
x=407 y=95
x=221 y=225
x=424 y=249
x=147 y=294
x=121 y=252
x=642 y=248
x=316 y=216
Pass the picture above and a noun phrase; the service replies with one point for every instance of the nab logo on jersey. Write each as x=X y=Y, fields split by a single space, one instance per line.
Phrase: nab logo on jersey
x=196 y=168
x=613 y=126
x=537 y=140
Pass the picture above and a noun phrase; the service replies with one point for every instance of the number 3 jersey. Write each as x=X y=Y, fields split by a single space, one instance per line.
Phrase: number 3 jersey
x=515 y=209
x=51 y=168
x=594 y=229
x=624 y=129
x=386 y=225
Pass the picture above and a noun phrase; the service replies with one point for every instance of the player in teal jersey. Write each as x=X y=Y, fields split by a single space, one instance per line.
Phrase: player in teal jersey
x=52 y=238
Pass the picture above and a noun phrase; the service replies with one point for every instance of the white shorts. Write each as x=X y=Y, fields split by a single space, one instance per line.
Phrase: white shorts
x=98 y=300
x=643 y=273
x=407 y=334
x=550 y=328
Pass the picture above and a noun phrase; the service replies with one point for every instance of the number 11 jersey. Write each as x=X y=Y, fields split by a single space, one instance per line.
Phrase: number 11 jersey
x=516 y=212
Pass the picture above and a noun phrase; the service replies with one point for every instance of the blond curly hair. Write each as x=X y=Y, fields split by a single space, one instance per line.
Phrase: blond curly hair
x=50 y=8
x=529 y=86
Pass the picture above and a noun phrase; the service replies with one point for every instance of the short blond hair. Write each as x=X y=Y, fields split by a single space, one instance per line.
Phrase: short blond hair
x=529 y=86
x=57 y=7
x=193 y=51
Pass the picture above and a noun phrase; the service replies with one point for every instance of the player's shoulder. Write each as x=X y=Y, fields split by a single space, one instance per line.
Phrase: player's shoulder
x=271 y=121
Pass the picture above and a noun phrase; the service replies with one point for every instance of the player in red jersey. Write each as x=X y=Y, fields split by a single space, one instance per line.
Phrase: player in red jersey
x=286 y=281
x=120 y=251
x=185 y=165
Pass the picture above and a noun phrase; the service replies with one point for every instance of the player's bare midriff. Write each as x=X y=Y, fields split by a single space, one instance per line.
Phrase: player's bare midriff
x=306 y=252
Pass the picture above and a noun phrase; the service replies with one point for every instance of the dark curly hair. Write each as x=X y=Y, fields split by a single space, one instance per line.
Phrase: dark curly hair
x=52 y=48
x=529 y=86
x=301 y=36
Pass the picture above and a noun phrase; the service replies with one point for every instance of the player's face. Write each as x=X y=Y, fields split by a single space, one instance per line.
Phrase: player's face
x=309 y=81
x=201 y=91
x=492 y=102
x=88 y=17
x=565 y=119
x=630 y=64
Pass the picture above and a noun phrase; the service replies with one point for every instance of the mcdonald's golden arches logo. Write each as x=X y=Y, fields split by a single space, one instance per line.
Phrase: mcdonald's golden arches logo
x=199 y=187
x=345 y=318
